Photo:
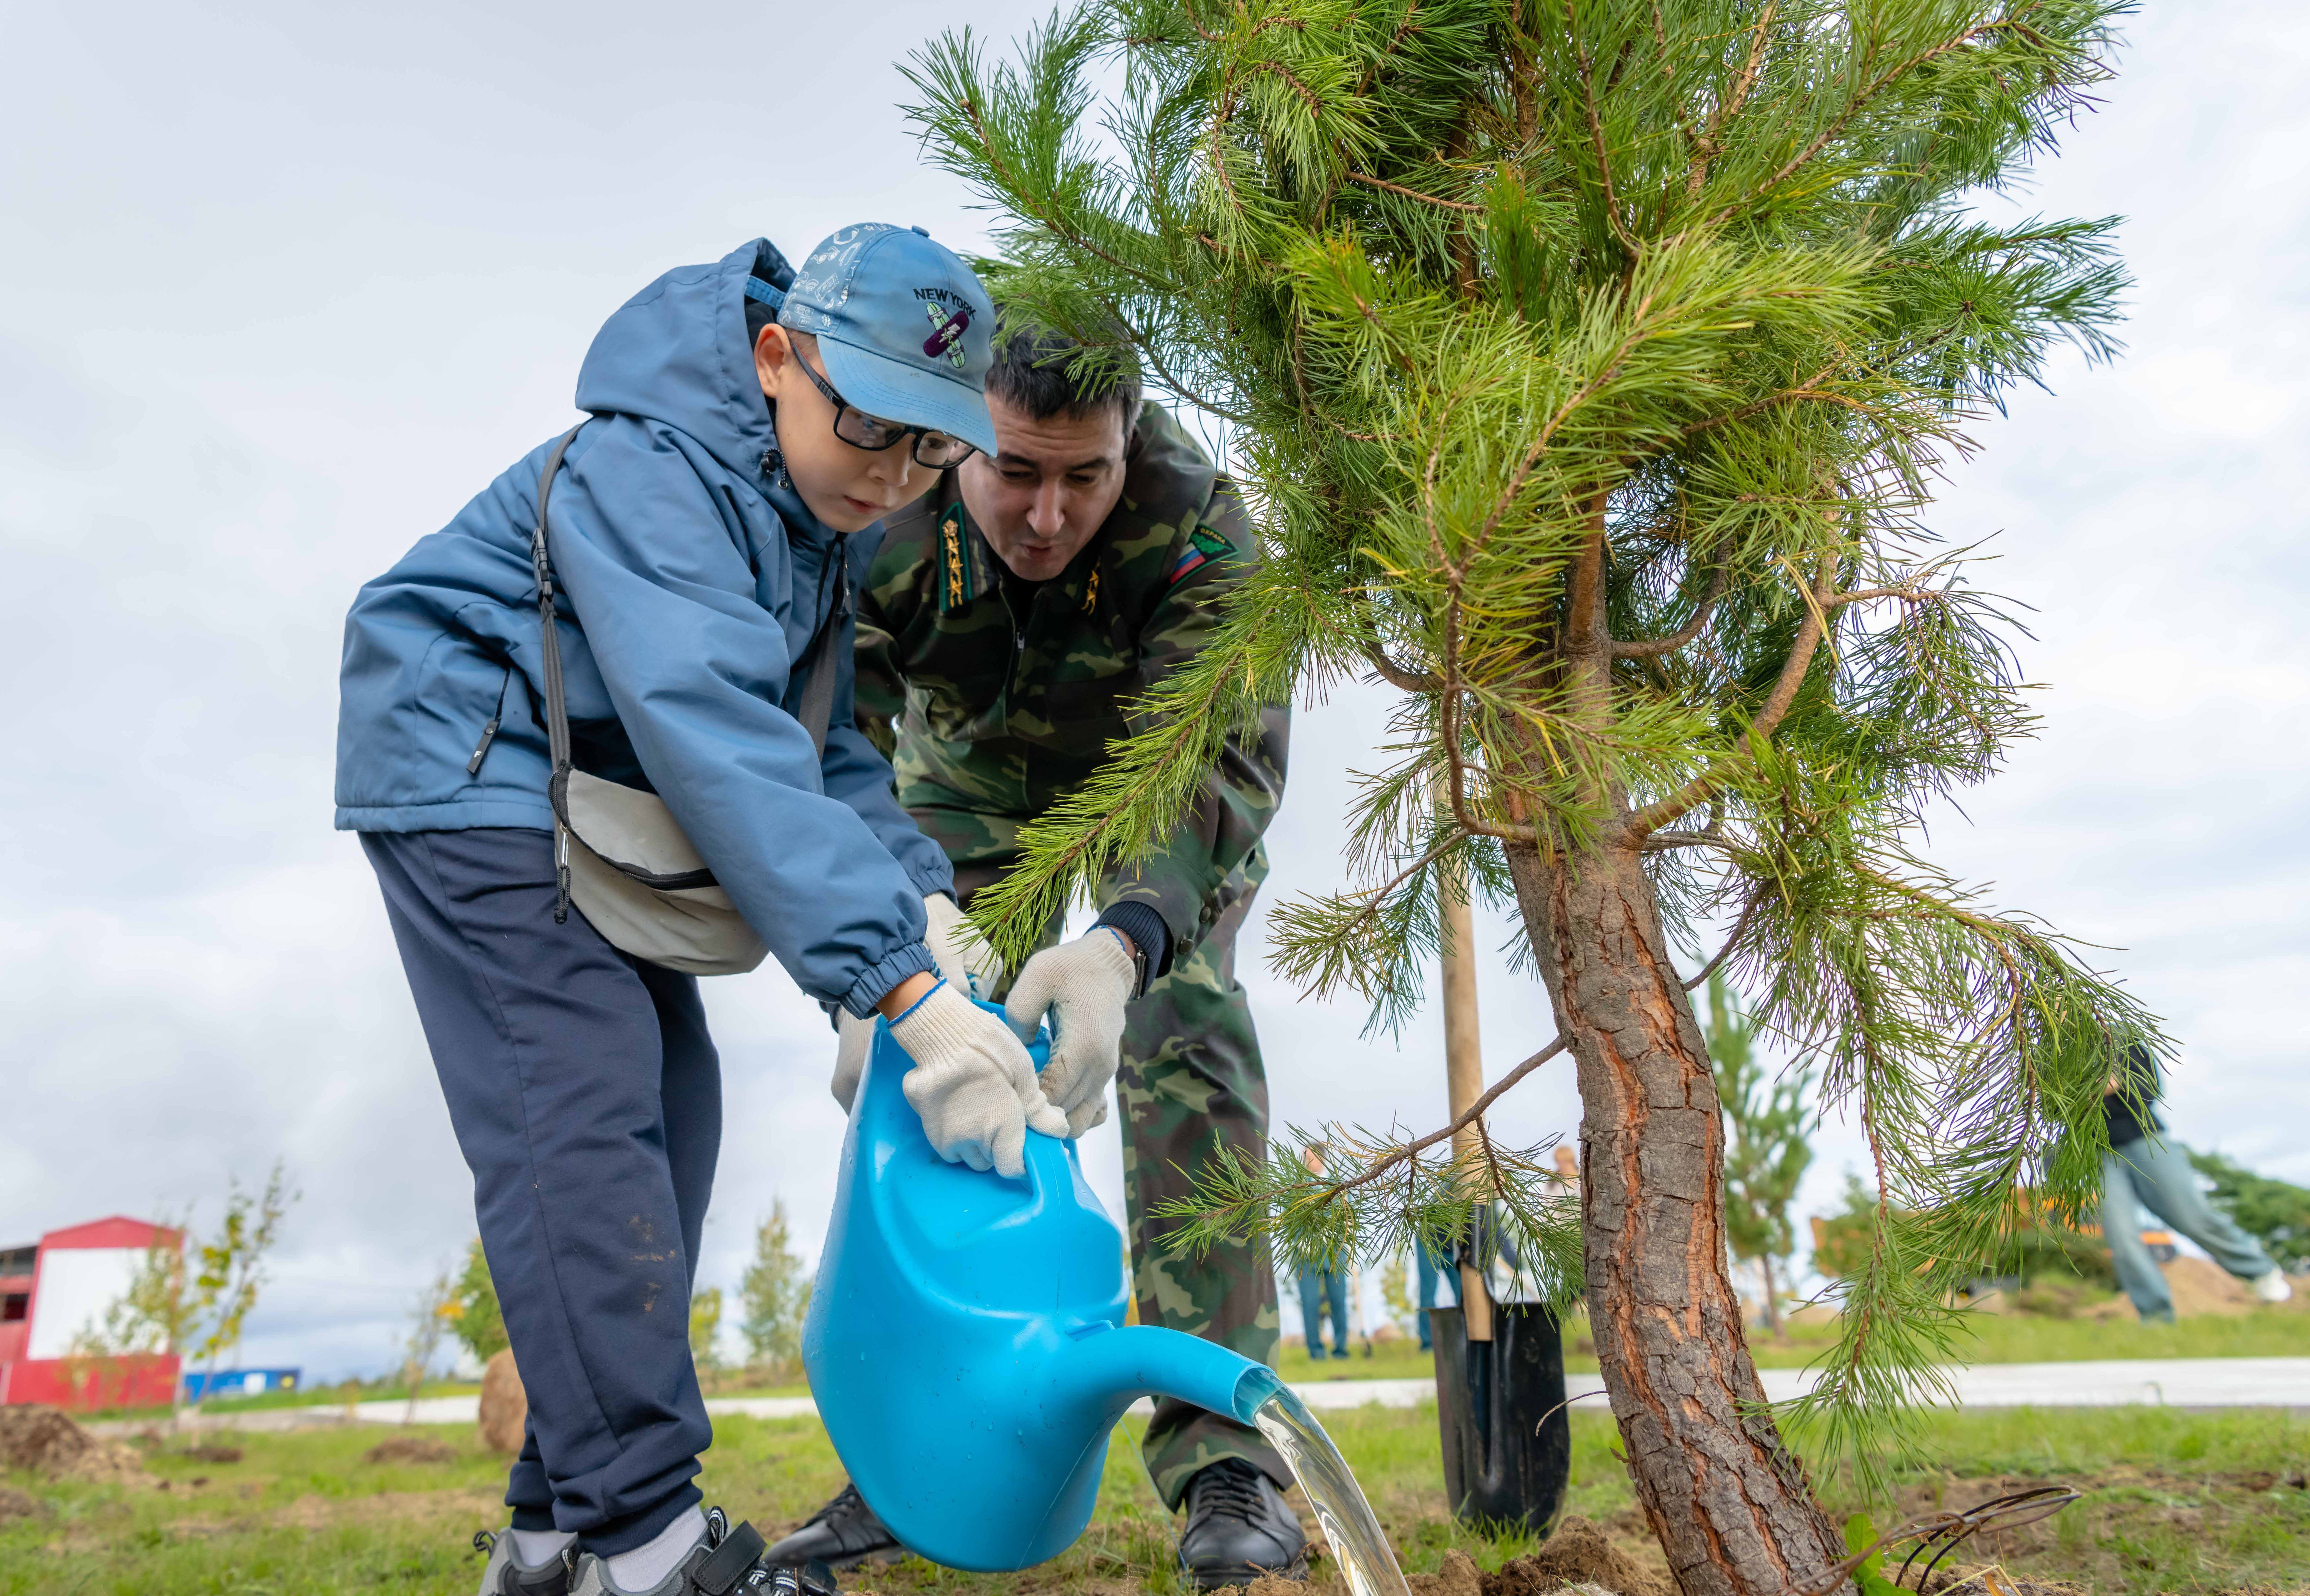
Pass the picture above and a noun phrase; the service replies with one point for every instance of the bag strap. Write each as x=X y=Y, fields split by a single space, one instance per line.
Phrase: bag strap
x=557 y=708
x=815 y=712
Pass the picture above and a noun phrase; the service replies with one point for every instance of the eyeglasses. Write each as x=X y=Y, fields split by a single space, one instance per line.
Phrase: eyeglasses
x=937 y=451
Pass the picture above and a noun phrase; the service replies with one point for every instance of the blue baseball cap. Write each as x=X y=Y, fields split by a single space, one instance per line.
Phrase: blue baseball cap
x=906 y=331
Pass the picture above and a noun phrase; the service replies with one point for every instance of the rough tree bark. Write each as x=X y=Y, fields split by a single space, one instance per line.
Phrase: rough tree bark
x=1730 y=1502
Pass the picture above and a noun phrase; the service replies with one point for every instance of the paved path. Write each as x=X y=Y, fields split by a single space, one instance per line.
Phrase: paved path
x=2169 y=1382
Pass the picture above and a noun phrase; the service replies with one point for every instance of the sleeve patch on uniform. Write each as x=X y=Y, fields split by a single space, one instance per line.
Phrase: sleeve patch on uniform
x=1203 y=546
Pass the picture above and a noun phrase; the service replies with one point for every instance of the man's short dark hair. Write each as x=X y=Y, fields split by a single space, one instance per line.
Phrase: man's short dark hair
x=1030 y=374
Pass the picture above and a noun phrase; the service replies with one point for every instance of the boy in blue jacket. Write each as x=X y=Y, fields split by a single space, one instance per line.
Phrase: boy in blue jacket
x=751 y=427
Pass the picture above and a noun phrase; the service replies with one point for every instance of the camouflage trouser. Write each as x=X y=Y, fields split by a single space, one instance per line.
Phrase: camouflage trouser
x=1190 y=1083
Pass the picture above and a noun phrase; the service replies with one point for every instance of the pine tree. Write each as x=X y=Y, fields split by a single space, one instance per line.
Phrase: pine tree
x=477 y=1320
x=2274 y=1212
x=1766 y=1153
x=774 y=1293
x=1589 y=366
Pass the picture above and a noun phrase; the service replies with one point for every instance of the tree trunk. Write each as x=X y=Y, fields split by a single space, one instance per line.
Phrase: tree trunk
x=1772 y=1307
x=1730 y=1502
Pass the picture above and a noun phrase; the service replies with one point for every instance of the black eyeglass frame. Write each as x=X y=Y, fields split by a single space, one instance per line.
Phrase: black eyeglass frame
x=843 y=407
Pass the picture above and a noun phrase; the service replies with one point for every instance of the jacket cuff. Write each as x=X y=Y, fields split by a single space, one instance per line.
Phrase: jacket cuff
x=931 y=876
x=875 y=985
x=1142 y=923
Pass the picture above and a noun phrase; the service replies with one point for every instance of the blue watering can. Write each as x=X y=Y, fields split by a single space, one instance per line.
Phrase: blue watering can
x=966 y=1342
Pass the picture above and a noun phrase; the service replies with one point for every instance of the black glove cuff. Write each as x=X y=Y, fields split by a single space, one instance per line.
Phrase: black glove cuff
x=1145 y=927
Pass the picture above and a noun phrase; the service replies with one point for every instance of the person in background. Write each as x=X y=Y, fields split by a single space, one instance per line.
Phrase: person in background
x=1430 y=1266
x=1321 y=1287
x=2145 y=1169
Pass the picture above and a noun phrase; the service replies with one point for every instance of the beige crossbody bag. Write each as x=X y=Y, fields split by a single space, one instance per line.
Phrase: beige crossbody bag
x=619 y=854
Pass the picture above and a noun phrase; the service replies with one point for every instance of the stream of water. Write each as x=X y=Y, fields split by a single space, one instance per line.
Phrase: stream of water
x=1354 y=1535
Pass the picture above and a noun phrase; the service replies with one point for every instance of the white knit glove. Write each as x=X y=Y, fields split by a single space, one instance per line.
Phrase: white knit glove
x=1083 y=985
x=972 y=1083
x=961 y=954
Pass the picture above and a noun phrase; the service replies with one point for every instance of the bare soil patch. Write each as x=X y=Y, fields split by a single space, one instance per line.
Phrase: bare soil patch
x=1580 y=1553
x=410 y=1449
x=45 y=1441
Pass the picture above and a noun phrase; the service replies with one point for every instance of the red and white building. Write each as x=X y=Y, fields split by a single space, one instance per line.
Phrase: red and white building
x=55 y=1290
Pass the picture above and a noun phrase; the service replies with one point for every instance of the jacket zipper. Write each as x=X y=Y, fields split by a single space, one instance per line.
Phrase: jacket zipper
x=490 y=732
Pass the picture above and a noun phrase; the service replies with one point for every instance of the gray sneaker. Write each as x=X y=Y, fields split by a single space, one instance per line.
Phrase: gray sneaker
x=726 y=1561
x=506 y=1575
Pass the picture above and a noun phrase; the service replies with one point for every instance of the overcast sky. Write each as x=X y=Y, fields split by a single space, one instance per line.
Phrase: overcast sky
x=286 y=284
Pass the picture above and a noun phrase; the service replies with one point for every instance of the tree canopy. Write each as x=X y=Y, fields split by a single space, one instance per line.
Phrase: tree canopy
x=1590 y=367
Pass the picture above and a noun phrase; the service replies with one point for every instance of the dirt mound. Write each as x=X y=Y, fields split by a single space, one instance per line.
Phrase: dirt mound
x=44 y=1441
x=212 y=1452
x=410 y=1449
x=2202 y=1286
x=505 y=1405
x=1459 y=1576
x=19 y=1505
x=1996 y=1581
x=1577 y=1554
x=2199 y=1286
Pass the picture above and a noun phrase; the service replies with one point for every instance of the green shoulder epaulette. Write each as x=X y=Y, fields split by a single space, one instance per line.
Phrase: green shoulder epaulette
x=958 y=570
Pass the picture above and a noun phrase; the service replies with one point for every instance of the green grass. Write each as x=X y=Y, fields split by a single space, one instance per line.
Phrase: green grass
x=2181 y=1501
x=2270 y=1333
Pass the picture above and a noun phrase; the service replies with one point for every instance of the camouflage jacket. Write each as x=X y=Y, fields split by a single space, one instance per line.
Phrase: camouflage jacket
x=1005 y=694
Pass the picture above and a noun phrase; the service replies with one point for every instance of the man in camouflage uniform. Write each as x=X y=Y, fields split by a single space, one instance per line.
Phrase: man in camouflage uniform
x=1009 y=620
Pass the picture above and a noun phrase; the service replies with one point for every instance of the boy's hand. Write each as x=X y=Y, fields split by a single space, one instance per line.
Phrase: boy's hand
x=963 y=956
x=972 y=1083
x=1084 y=984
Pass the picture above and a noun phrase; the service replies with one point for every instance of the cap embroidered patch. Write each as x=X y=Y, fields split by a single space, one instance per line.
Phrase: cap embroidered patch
x=946 y=338
x=1203 y=546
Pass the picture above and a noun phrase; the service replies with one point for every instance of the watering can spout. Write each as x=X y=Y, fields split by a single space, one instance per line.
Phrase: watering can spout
x=1108 y=1368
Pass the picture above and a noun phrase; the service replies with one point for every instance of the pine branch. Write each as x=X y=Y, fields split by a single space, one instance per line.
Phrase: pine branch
x=1426 y=199
x=1761 y=725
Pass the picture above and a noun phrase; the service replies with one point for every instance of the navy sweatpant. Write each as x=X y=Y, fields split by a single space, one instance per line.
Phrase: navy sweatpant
x=587 y=1100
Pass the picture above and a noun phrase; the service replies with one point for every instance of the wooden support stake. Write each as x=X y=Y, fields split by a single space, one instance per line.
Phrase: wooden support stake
x=1463 y=1061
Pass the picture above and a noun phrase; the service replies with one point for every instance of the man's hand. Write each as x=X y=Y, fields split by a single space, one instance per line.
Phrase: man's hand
x=963 y=956
x=1083 y=985
x=972 y=1082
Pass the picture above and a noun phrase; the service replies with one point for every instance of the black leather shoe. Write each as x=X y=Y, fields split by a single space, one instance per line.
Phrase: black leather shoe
x=842 y=1534
x=1239 y=1528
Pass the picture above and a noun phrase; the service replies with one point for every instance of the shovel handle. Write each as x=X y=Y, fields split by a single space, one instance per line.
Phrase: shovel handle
x=1475 y=1304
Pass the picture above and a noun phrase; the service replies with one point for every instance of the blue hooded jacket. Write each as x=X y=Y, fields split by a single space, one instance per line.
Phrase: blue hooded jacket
x=690 y=586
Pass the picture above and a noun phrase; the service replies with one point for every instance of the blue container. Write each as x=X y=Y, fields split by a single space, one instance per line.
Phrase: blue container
x=233 y=1382
x=966 y=1343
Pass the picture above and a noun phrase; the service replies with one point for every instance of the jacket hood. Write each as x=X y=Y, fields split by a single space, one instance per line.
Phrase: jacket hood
x=677 y=352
